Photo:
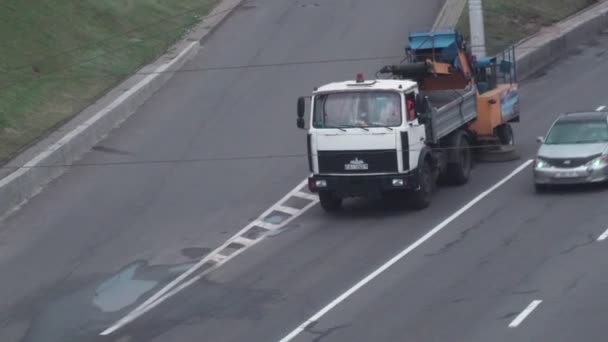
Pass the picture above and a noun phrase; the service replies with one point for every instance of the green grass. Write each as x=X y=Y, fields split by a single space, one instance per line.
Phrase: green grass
x=59 y=56
x=508 y=21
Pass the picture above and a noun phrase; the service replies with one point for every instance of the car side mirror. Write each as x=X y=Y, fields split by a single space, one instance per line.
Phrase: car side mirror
x=301 y=110
x=540 y=140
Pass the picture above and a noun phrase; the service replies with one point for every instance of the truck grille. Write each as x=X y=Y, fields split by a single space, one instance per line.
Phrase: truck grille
x=569 y=162
x=369 y=161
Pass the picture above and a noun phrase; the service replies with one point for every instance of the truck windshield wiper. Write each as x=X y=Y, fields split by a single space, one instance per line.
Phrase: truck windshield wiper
x=382 y=126
x=336 y=127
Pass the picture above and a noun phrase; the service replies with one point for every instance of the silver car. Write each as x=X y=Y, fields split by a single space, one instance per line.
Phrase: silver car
x=574 y=151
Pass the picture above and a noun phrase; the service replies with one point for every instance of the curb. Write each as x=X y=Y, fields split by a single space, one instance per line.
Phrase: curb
x=539 y=51
x=37 y=166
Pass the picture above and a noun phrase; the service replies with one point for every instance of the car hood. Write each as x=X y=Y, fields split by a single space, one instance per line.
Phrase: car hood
x=572 y=150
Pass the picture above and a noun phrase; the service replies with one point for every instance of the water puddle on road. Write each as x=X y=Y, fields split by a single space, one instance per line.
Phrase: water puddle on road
x=276 y=217
x=79 y=309
x=121 y=290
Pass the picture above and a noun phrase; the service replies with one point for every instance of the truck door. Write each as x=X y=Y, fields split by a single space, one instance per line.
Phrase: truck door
x=416 y=133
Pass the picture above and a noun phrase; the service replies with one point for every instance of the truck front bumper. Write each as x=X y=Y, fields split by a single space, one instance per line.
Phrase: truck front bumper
x=355 y=186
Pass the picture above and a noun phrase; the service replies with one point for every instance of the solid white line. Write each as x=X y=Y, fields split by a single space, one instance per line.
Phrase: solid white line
x=603 y=236
x=401 y=255
x=167 y=292
x=527 y=311
x=99 y=115
x=600 y=108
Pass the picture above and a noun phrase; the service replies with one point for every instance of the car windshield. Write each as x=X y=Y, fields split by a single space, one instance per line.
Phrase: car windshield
x=578 y=132
x=357 y=109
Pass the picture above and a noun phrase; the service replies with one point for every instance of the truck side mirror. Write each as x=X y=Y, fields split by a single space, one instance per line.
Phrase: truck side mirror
x=301 y=109
x=419 y=104
x=540 y=140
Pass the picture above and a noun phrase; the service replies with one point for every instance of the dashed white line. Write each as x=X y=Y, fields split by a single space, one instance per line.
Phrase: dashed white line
x=603 y=236
x=217 y=257
x=288 y=210
x=243 y=241
x=401 y=255
x=265 y=225
x=527 y=311
x=305 y=195
x=600 y=108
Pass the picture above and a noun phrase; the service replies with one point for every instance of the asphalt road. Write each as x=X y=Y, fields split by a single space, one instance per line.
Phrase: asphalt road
x=467 y=283
x=68 y=256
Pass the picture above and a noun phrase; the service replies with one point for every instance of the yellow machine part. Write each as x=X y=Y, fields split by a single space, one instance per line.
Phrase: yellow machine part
x=440 y=68
x=489 y=113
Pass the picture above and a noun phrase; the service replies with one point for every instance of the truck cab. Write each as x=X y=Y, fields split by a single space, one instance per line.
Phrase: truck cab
x=364 y=138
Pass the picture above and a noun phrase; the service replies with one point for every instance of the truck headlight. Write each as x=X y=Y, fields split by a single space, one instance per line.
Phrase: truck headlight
x=398 y=182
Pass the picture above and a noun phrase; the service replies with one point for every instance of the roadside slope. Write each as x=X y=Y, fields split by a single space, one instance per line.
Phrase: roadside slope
x=64 y=54
x=509 y=21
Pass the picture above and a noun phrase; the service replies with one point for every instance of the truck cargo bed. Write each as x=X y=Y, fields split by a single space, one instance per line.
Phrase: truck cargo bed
x=450 y=109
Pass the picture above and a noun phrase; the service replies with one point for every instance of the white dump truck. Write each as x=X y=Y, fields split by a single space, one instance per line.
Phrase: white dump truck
x=405 y=133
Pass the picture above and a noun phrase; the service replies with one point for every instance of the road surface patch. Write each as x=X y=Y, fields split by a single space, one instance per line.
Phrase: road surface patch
x=272 y=220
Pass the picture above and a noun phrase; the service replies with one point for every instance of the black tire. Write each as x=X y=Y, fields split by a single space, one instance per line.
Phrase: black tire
x=459 y=172
x=329 y=202
x=421 y=198
x=505 y=135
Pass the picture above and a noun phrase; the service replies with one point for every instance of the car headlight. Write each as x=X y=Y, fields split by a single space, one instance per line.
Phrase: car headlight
x=540 y=164
x=599 y=161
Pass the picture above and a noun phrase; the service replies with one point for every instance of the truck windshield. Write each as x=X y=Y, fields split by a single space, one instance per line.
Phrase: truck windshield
x=357 y=109
x=578 y=132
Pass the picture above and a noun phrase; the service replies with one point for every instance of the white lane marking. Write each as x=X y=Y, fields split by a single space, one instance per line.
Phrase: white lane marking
x=215 y=256
x=305 y=196
x=603 y=236
x=286 y=209
x=99 y=115
x=265 y=225
x=527 y=311
x=401 y=255
x=600 y=108
x=243 y=241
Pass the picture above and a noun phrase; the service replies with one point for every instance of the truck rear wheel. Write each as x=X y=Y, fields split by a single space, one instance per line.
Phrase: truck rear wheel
x=421 y=198
x=329 y=201
x=458 y=172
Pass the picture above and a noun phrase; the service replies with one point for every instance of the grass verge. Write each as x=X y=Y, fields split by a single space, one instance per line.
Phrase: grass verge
x=508 y=21
x=59 y=56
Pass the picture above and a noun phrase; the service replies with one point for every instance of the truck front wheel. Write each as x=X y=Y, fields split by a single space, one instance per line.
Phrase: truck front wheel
x=421 y=198
x=329 y=201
